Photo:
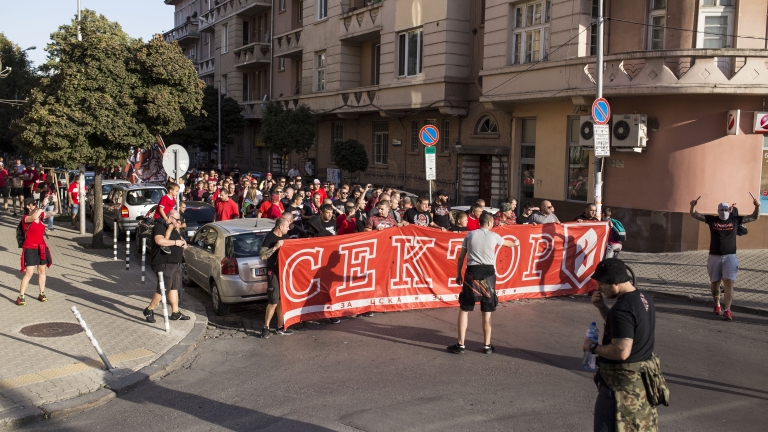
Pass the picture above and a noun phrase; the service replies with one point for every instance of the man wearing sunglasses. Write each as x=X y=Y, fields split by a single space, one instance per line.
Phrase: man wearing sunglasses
x=545 y=214
x=168 y=264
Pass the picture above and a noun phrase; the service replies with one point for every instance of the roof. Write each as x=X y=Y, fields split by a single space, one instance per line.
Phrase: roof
x=142 y=186
x=114 y=182
x=237 y=226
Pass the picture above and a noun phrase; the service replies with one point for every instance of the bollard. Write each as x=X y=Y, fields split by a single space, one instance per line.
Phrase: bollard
x=128 y=249
x=143 y=259
x=165 y=305
x=93 y=339
x=114 y=241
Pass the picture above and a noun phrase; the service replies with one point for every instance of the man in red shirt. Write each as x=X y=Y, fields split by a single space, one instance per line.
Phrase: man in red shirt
x=30 y=177
x=347 y=223
x=5 y=189
x=267 y=211
x=317 y=189
x=473 y=218
x=226 y=209
x=74 y=199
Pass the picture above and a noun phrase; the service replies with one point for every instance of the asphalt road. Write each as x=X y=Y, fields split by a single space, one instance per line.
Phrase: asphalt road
x=391 y=373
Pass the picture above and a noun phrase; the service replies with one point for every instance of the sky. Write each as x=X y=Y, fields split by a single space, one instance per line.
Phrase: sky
x=30 y=23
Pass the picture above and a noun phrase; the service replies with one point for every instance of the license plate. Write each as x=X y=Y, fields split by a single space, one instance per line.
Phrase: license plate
x=190 y=233
x=261 y=271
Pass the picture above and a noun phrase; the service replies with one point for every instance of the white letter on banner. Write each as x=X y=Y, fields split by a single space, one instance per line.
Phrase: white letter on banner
x=514 y=260
x=315 y=257
x=537 y=255
x=357 y=277
x=454 y=246
x=585 y=252
x=408 y=273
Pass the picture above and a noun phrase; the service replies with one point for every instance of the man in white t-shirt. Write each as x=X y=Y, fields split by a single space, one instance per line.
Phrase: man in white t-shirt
x=479 y=281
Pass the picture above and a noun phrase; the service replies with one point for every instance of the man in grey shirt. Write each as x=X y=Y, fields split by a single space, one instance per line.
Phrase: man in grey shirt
x=479 y=281
x=545 y=215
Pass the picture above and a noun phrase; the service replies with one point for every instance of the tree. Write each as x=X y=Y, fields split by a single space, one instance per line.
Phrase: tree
x=104 y=95
x=350 y=156
x=202 y=129
x=284 y=131
x=16 y=86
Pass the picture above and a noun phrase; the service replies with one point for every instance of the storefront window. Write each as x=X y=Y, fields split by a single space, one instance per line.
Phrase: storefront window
x=577 y=188
x=527 y=159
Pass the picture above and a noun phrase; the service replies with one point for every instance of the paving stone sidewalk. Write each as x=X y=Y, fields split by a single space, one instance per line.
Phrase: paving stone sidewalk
x=686 y=274
x=38 y=370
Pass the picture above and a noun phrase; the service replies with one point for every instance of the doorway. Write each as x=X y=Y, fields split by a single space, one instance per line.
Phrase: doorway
x=486 y=178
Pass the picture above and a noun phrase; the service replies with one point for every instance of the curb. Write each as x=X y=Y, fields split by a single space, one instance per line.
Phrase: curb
x=161 y=367
x=703 y=300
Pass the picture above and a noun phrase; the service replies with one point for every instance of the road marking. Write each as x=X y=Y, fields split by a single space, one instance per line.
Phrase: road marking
x=73 y=368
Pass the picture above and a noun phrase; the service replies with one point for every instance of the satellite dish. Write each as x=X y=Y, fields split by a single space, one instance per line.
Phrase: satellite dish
x=175 y=161
x=621 y=130
x=587 y=130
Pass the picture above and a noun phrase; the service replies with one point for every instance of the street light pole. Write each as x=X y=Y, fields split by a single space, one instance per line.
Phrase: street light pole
x=218 y=99
x=79 y=36
x=599 y=82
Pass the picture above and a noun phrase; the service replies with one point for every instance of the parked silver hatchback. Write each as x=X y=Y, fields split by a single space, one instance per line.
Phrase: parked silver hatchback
x=223 y=258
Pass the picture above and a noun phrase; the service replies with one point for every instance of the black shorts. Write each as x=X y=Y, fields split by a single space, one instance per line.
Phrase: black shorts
x=273 y=287
x=27 y=192
x=171 y=276
x=17 y=192
x=5 y=191
x=470 y=290
x=32 y=257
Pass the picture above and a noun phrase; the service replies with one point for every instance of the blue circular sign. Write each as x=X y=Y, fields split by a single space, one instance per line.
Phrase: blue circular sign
x=601 y=111
x=429 y=135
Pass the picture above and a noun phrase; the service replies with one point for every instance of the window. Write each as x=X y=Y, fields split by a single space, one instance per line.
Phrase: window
x=246 y=95
x=337 y=132
x=410 y=55
x=281 y=64
x=715 y=32
x=530 y=40
x=320 y=65
x=715 y=24
x=717 y=3
x=482 y=12
x=415 y=136
x=487 y=125
x=380 y=143
x=224 y=38
x=224 y=84
x=376 y=64
x=527 y=158
x=593 y=29
x=282 y=5
x=445 y=136
x=658 y=4
x=300 y=10
x=658 y=21
x=246 y=32
x=577 y=170
x=322 y=9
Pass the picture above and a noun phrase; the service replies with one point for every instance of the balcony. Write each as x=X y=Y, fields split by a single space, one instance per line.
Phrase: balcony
x=690 y=71
x=361 y=24
x=183 y=33
x=253 y=53
x=206 y=67
x=252 y=110
x=289 y=44
x=225 y=8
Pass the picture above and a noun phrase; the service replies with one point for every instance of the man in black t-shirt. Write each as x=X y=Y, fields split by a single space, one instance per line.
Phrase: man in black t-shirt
x=420 y=215
x=268 y=253
x=322 y=224
x=441 y=211
x=295 y=208
x=722 y=263
x=628 y=340
x=169 y=264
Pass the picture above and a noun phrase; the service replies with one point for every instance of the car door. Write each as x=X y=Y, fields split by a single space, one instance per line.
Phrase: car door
x=107 y=209
x=208 y=262
x=192 y=258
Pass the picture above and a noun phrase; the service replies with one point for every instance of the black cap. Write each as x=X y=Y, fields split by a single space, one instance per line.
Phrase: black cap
x=28 y=201
x=442 y=192
x=611 y=271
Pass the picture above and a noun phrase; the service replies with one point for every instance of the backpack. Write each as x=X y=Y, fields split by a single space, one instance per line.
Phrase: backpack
x=21 y=233
x=618 y=233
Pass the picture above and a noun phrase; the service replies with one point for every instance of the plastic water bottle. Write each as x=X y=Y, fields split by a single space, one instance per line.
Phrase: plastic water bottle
x=589 y=362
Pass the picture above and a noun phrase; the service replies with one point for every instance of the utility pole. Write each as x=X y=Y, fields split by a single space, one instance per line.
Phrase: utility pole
x=218 y=98
x=599 y=74
x=79 y=36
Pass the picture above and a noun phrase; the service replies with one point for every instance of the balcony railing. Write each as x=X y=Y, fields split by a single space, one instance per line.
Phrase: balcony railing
x=256 y=52
x=252 y=110
x=186 y=31
x=206 y=67
x=225 y=8
x=289 y=43
x=358 y=23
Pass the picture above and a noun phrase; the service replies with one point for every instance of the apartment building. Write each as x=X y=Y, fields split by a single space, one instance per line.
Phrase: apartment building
x=229 y=41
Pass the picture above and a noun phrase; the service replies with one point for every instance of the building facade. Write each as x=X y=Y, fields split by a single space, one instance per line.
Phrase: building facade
x=509 y=84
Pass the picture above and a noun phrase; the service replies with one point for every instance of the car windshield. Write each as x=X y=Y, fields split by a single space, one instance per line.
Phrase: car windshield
x=244 y=245
x=144 y=196
x=199 y=215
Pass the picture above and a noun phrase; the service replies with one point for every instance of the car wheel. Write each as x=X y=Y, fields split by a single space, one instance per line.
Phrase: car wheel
x=218 y=307
x=185 y=280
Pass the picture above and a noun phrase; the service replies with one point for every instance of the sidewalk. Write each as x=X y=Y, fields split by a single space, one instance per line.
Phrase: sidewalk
x=35 y=371
x=685 y=274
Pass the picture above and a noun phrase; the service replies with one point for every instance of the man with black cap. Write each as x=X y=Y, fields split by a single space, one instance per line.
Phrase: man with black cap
x=722 y=263
x=441 y=211
x=625 y=358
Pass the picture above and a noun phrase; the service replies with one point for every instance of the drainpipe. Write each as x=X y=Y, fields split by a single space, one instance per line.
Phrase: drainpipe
x=271 y=65
x=458 y=158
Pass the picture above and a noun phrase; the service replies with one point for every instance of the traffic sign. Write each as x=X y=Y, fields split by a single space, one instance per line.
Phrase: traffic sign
x=601 y=111
x=175 y=161
x=429 y=160
x=602 y=140
x=429 y=135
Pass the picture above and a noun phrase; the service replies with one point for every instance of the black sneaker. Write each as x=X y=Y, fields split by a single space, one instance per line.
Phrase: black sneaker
x=335 y=320
x=178 y=316
x=265 y=333
x=149 y=314
x=282 y=331
x=489 y=349
x=456 y=349
x=368 y=314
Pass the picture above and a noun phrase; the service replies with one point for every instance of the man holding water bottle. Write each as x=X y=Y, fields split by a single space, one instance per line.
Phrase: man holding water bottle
x=625 y=358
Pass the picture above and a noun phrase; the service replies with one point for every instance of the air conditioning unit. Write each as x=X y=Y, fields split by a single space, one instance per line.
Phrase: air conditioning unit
x=586 y=132
x=629 y=132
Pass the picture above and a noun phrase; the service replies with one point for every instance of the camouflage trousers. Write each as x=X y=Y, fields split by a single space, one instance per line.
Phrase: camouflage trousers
x=633 y=412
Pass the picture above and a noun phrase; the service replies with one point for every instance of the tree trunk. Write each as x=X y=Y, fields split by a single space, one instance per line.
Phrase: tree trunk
x=97 y=210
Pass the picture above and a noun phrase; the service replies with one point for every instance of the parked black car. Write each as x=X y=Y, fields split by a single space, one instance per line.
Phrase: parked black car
x=196 y=215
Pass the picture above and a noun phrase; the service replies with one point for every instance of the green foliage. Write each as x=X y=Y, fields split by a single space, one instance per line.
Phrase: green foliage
x=106 y=94
x=202 y=129
x=284 y=130
x=349 y=155
x=16 y=86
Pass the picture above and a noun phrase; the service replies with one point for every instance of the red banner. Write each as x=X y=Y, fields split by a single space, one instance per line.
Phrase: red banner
x=415 y=268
